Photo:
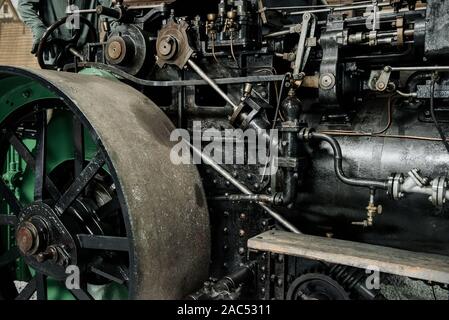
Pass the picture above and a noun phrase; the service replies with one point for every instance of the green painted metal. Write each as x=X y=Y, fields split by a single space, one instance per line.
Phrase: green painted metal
x=99 y=73
x=18 y=91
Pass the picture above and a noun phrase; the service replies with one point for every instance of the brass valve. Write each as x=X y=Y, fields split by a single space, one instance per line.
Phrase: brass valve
x=371 y=211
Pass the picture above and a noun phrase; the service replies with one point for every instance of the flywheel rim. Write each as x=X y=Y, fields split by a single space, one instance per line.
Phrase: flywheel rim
x=54 y=81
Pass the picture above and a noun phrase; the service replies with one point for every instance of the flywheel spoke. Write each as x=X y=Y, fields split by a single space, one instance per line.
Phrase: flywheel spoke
x=80 y=183
x=22 y=150
x=88 y=241
x=78 y=141
x=41 y=286
x=118 y=274
x=39 y=171
x=26 y=155
x=63 y=198
x=9 y=256
x=10 y=198
x=81 y=294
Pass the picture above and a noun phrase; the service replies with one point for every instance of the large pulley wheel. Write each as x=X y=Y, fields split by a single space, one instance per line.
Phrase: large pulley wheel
x=88 y=190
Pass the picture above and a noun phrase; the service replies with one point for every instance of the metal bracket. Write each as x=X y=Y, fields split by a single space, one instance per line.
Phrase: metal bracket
x=307 y=26
x=379 y=79
x=286 y=162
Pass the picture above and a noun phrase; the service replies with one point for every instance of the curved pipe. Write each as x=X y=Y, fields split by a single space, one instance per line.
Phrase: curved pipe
x=338 y=163
x=417 y=78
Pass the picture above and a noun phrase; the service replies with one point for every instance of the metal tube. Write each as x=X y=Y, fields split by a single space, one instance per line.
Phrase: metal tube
x=76 y=53
x=209 y=161
x=150 y=6
x=277 y=34
x=211 y=82
x=246 y=197
x=312 y=6
x=407 y=95
x=176 y=83
x=88 y=11
x=338 y=164
x=345 y=8
x=421 y=68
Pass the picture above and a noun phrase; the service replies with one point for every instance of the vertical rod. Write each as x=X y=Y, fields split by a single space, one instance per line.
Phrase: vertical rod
x=78 y=141
x=41 y=136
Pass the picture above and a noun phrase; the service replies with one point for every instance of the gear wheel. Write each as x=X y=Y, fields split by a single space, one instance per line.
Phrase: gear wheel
x=316 y=286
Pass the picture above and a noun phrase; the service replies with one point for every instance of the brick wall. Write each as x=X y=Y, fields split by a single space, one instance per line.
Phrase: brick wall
x=15 y=45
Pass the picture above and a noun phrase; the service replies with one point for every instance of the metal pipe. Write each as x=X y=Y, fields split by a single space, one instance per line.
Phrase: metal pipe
x=150 y=6
x=291 y=109
x=225 y=174
x=338 y=162
x=175 y=83
x=76 y=53
x=89 y=11
x=211 y=82
x=336 y=9
x=246 y=197
x=421 y=68
x=312 y=6
x=407 y=95
x=278 y=34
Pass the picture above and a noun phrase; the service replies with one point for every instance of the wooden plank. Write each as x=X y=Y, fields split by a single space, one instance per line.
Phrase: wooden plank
x=423 y=266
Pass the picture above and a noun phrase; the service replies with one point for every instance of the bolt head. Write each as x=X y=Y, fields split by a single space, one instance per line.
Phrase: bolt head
x=326 y=80
x=212 y=17
x=165 y=47
x=25 y=237
x=380 y=85
x=115 y=50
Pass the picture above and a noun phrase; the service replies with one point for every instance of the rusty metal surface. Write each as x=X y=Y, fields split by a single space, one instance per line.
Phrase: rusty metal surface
x=168 y=218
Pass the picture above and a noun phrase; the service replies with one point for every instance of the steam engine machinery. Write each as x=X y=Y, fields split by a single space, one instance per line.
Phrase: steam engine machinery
x=347 y=101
